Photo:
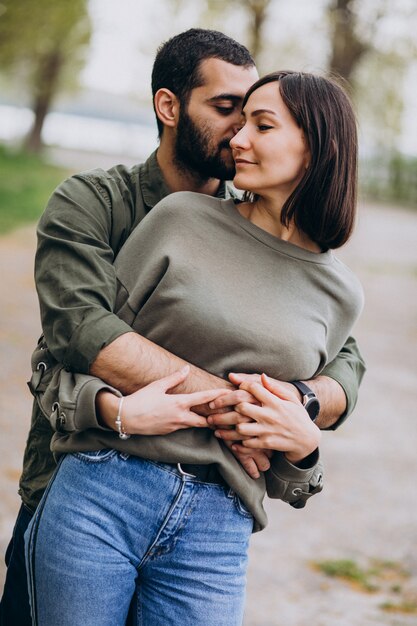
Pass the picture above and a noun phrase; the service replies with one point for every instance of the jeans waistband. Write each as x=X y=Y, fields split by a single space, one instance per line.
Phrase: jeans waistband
x=203 y=473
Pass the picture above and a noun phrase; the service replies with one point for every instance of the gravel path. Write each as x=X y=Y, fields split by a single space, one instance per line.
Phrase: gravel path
x=368 y=510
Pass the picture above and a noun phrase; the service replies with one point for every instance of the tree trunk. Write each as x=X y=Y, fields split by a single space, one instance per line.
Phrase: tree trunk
x=347 y=48
x=257 y=9
x=45 y=89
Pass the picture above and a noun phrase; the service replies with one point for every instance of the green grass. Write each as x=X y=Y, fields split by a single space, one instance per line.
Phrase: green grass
x=26 y=183
x=349 y=571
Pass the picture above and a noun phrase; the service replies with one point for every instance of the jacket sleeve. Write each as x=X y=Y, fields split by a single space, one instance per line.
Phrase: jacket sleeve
x=74 y=273
x=66 y=399
x=347 y=369
x=292 y=484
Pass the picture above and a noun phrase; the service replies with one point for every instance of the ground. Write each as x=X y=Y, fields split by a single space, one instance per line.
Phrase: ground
x=367 y=513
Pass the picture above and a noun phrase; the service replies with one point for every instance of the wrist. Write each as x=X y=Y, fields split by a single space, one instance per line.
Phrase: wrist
x=107 y=404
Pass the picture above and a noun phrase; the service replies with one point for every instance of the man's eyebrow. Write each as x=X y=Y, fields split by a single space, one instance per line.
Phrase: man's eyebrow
x=226 y=96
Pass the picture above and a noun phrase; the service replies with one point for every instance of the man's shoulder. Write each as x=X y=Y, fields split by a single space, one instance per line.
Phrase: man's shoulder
x=119 y=176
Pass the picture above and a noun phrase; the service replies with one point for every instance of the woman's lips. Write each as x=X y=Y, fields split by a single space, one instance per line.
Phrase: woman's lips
x=243 y=162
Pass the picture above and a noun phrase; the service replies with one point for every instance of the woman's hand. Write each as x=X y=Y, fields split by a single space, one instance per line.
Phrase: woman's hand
x=153 y=411
x=279 y=423
x=253 y=461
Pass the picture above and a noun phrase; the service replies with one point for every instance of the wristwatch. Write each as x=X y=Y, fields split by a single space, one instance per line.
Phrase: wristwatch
x=309 y=399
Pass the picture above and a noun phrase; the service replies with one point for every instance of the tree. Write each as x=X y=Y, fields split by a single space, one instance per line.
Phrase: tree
x=44 y=44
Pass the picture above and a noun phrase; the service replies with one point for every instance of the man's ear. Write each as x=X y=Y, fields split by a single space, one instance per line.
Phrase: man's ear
x=167 y=107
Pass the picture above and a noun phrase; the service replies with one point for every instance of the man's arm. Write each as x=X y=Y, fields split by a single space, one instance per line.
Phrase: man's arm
x=131 y=361
x=341 y=377
x=336 y=388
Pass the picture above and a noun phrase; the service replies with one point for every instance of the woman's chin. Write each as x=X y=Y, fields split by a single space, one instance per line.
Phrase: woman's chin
x=239 y=184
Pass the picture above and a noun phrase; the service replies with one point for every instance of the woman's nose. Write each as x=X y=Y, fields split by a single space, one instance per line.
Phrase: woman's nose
x=239 y=140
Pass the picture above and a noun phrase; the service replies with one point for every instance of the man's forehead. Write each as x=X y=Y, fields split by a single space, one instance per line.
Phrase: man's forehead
x=222 y=80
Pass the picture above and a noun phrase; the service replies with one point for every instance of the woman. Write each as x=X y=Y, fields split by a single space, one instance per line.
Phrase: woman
x=121 y=519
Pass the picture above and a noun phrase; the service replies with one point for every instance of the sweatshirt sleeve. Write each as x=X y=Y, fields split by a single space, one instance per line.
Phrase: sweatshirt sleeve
x=74 y=272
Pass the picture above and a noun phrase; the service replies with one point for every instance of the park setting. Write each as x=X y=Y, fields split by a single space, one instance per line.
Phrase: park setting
x=75 y=95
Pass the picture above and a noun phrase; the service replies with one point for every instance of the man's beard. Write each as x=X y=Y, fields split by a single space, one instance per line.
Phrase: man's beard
x=192 y=151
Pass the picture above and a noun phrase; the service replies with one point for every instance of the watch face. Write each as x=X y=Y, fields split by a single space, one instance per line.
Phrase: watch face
x=312 y=406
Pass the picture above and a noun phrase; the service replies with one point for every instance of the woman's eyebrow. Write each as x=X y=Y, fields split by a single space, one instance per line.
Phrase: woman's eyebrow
x=260 y=111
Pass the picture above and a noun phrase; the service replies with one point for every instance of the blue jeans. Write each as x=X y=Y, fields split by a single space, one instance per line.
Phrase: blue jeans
x=112 y=528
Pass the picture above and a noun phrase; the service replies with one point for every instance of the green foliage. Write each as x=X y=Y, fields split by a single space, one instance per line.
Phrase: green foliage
x=26 y=183
x=390 y=177
x=30 y=31
x=43 y=45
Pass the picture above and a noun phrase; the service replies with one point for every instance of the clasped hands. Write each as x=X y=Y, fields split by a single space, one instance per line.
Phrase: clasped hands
x=266 y=416
x=259 y=417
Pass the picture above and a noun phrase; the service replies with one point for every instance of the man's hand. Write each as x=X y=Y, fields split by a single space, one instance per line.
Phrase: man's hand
x=279 y=422
x=224 y=417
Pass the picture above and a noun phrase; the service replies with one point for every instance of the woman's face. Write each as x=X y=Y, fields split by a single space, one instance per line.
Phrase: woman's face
x=270 y=150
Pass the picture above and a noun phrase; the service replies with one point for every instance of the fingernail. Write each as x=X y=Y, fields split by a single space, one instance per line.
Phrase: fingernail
x=185 y=369
x=209 y=420
x=217 y=434
x=211 y=405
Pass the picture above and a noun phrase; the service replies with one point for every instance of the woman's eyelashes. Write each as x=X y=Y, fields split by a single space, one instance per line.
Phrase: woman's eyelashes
x=264 y=127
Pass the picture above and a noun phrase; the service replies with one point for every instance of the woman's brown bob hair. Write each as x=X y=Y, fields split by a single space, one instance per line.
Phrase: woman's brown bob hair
x=324 y=203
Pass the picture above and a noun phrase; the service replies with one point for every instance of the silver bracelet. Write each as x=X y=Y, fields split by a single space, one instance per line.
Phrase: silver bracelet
x=122 y=433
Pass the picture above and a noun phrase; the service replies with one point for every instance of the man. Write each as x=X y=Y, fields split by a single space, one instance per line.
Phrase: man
x=198 y=83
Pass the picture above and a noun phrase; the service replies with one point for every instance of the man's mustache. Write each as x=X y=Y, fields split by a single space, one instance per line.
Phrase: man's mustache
x=225 y=143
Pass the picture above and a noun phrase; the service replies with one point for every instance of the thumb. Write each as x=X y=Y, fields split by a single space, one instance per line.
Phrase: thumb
x=278 y=388
x=235 y=378
x=174 y=379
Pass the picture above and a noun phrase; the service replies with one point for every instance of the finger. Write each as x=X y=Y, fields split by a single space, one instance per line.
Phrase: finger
x=192 y=420
x=230 y=399
x=201 y=397
x=261 y=459
x=239 y=377
x=253 y=443
x=253 y=411
x=249 y=466
x=237 y=447
x=279 y=388
x=258 y=391
x=228 y=435
x=174 y=379
x=249 y=429
x=227 y=419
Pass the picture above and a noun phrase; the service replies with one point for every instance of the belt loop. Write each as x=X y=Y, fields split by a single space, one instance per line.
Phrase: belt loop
x=181 y=471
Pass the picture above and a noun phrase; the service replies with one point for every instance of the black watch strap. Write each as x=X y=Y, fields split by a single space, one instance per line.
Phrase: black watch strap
x=310 y=400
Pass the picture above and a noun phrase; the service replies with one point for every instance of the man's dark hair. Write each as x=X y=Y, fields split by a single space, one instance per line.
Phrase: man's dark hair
x=323 y=205
x=178 y=61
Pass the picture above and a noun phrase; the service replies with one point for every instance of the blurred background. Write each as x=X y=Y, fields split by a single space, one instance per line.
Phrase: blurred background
x=74 y=94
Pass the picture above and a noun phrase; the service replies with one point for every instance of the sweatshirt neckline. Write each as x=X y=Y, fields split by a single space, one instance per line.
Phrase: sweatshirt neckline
x=284 y=247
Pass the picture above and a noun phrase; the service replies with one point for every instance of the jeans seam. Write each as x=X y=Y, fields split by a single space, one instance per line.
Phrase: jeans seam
x=81 y=456
x=31 y=548
x=162 y=526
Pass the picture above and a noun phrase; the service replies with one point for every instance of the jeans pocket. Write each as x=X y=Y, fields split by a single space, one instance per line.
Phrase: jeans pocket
x=96 y=456
x=241 y=507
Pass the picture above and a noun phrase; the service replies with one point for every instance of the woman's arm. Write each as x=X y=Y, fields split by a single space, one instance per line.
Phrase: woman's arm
x=153 y=410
